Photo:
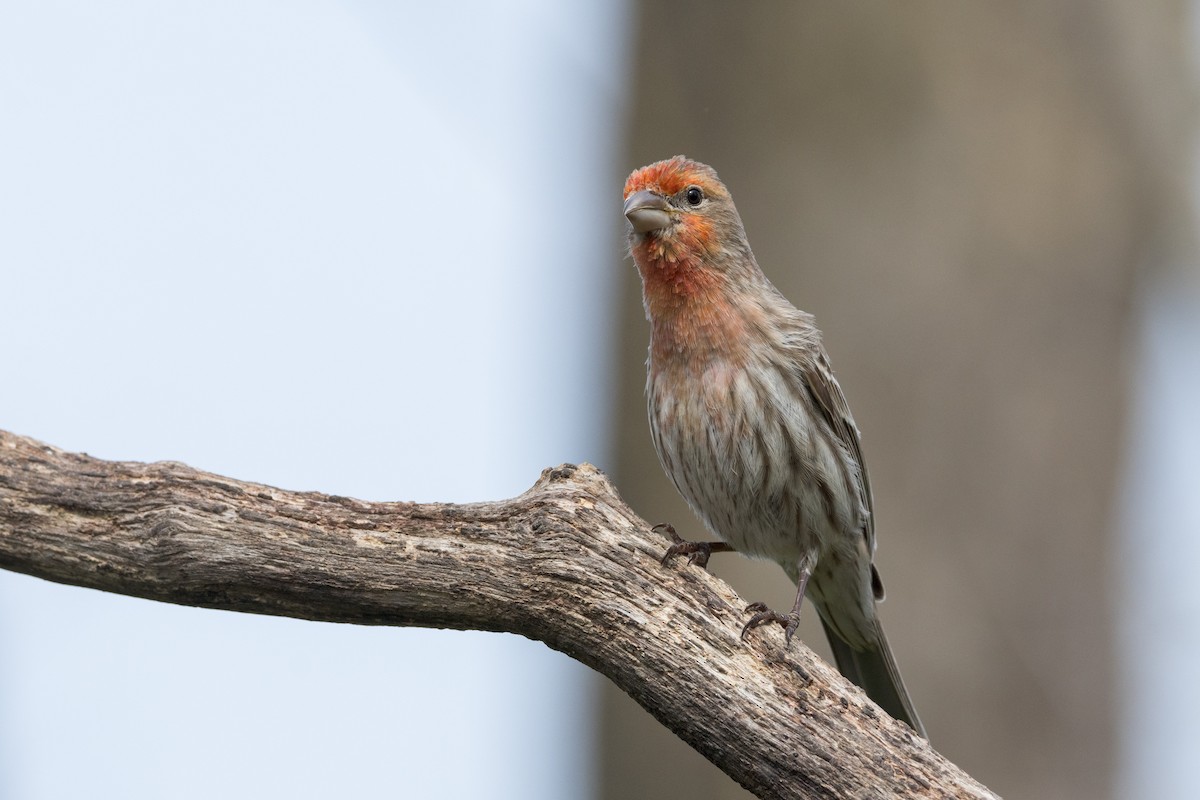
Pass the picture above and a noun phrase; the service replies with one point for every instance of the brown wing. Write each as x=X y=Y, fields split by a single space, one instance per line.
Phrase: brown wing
x=831 y=404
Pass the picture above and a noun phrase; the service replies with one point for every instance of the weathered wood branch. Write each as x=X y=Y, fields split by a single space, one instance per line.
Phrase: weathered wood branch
x=566 y=563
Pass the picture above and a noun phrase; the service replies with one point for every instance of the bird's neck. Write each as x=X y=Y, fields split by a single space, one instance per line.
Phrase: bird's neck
x=693 y=310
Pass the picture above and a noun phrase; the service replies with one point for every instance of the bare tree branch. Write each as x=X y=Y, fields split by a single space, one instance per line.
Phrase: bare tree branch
x=566 y=563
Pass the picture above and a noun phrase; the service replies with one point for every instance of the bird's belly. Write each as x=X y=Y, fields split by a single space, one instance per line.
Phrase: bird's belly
x=765 y=479
x=728 y=457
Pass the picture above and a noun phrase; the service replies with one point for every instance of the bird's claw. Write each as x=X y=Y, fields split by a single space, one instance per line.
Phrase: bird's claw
x=698 y=553
x=763 y=615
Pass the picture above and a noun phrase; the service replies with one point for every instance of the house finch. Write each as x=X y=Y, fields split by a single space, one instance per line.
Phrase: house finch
x=749 y=422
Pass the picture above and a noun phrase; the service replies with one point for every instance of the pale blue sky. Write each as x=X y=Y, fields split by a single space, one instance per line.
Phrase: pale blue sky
x=334 y=246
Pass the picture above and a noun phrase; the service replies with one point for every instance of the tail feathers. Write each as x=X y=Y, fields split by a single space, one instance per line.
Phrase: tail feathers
x=874 y=671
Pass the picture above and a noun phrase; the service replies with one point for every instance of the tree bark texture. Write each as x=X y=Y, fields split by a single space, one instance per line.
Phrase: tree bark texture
x=566 y=563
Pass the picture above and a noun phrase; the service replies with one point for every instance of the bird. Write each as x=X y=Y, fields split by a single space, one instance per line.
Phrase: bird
x=750 y=424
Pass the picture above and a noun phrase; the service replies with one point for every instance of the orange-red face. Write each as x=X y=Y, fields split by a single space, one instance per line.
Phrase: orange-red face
x=673 y=207
x=689 y=246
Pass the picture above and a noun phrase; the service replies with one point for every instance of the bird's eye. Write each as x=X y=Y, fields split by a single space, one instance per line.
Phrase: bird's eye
x=694 y=196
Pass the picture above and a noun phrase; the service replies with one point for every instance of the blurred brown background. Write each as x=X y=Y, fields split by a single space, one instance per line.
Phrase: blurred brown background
x=967 y=196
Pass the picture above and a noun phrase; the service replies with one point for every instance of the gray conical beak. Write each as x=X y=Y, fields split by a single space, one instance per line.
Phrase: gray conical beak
x=647 y=211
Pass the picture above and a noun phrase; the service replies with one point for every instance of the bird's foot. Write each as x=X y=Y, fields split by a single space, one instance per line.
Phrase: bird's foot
x=765 y=616
x=698 y=553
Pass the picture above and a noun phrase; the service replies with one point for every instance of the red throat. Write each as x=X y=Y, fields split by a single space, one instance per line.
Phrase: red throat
x=689 y=304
